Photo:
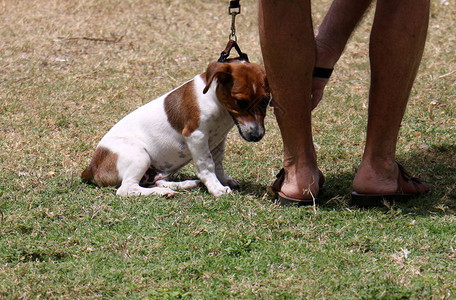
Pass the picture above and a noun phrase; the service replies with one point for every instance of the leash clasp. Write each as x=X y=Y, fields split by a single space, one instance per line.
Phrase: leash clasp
x=234 y=9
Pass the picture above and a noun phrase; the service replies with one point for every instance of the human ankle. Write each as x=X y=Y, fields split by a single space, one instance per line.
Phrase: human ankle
x=376 y=176
x=302 y=183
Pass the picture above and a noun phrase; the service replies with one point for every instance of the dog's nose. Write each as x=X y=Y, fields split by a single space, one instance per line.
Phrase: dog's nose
x=255 y=138
x=256 y=135
x=251 y=132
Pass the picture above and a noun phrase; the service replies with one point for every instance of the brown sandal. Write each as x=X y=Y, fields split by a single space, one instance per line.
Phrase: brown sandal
x=283 y=200
x=408 y=187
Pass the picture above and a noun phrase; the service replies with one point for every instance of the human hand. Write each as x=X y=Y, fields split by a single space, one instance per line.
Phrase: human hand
x=318 y=87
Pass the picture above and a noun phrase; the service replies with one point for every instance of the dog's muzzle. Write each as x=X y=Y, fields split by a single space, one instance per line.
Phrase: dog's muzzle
x=251 y=132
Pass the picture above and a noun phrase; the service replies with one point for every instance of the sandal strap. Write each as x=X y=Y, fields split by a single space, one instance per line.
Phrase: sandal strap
x=404 y=176
x=277 y=184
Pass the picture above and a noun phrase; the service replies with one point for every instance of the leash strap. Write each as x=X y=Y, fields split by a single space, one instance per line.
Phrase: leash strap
x=235 y=7
x=226 y=53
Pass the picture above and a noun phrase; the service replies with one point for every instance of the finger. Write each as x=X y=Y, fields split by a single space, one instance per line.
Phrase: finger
x=317 y=95
x=318 y=86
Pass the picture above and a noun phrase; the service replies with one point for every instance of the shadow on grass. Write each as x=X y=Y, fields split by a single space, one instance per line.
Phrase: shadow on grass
x=254 y=189
x=436 y=166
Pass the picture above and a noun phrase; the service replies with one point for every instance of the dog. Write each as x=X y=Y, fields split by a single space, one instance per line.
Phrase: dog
x=190 y=122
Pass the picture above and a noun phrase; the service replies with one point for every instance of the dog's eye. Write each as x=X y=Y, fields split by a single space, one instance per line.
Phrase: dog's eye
x=242 y=104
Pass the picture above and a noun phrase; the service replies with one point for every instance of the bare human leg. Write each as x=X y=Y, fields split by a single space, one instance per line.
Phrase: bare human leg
x=288 y=47
x=332 y=36
x=396 y=47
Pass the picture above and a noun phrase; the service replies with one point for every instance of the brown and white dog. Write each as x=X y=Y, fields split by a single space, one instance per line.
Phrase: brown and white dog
x=190 y=122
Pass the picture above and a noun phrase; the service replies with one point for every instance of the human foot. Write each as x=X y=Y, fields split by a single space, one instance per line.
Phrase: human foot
x=290 y=191
x=371 y=188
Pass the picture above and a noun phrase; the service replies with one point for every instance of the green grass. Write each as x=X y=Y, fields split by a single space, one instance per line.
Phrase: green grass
x=60 y=238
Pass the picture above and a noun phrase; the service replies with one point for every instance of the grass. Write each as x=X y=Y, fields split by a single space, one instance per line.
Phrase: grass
x=59 y=238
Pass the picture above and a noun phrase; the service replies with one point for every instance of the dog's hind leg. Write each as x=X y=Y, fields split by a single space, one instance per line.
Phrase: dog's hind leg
x=178 y=185
x=134 y=163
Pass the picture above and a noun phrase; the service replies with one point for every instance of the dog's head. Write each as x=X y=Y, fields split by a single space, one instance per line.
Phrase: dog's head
x=243 y=90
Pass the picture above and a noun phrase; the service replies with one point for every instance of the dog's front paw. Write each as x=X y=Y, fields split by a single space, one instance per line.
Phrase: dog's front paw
x=221 y=190
x=233 y=183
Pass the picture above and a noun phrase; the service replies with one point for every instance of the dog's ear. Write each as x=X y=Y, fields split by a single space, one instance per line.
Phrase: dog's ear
x=221 y=71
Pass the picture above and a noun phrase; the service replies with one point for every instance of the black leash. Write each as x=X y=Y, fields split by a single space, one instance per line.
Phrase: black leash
x=234 y=9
